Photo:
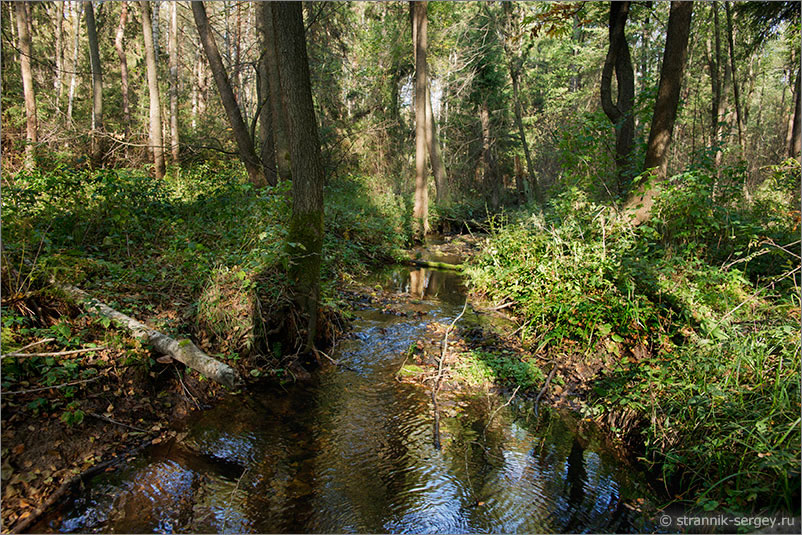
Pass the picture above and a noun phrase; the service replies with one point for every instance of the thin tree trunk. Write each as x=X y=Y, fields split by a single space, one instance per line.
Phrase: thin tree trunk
x=735 y=88
x=795 y=144
x=156 y=140
x=119 y=45
x=420 y=212
x=265 y=98
x=665 y=110
x=435 y=157
x=278 y=108
x=97 y=85
x=490 y=176
x=57 y=83
x=305 y=237
x=173 y=51
x=514 y=65
x=154 y=24
x=620 y=112
x=73 y=77
x=31 y=121
x=241 y=135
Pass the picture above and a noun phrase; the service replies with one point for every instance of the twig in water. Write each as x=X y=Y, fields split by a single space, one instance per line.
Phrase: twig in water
x=490 y=420
x=436 y=386
x=545 y=386
x=335 y=362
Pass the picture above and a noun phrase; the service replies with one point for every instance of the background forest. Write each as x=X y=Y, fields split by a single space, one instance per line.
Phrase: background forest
x=130 y=171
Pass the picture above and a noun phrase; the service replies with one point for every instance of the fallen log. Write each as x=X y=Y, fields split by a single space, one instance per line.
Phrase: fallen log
x=184 y=351
x=436 y=265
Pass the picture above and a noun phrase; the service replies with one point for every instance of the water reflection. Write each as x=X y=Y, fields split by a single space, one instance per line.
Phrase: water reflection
x=354 y=453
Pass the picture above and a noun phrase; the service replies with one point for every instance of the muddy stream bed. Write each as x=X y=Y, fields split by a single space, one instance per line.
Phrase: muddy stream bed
x=353 y=452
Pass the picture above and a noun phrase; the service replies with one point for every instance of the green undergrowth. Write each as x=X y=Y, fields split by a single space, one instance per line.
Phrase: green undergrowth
x=198 y=254
x=698 y=310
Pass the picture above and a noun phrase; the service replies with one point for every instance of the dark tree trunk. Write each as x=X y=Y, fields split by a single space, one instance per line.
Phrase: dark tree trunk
x=277 y=110
x=120 y=47
x=156 y=140
x=735 y=88
x=172 y=45
x=241 y=135
x=514 y=65
x=305 y=236
x=435 y=156
x=25 y=48
x=265 y=98
x=420 y=212
x=97 y=85
x=665 y=110
x=619 y=112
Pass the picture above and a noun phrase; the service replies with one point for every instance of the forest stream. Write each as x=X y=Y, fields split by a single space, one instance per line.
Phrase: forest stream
x=354 y=452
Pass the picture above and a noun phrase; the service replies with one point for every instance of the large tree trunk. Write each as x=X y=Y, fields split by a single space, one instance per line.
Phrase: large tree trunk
x=73 y=77
x=420 y=212
x=265 y=98
x=640 y=204
x=435 y=156
x=794 y=143
x=620 y=112
x=25 y=48
x=156 y=140
x=119 y=45
x=97 y=85
x=175 y=148
x=241 y=135
x=305 y=238
x=278 y=111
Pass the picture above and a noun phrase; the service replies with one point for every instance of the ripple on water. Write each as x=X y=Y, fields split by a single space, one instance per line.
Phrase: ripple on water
x=354 y=453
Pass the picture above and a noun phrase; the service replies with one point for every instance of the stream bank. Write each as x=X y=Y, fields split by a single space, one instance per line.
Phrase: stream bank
x=352 y=450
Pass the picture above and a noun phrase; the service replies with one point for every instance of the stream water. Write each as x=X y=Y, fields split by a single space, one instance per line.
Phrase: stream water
x=353 y=452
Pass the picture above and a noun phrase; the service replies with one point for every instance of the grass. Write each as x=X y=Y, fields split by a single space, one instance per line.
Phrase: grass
x=699 y=310
x=199 y=253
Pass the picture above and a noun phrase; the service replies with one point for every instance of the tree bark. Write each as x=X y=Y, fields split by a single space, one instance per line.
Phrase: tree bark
x=420 y=212
x=795 y=142
x=175 y=148
x=620 y=112
x=156 y=140
x=73 y=77
x=435 y=156
x=305 y=237
x=735 y=88
x=490 y=177
x=278 y=108
x=640 y=204
x=97 y=85
x=57 y=82
x=31 y=120
x=119 y=45
x=514 y=65
x=241 y=135
x=183 y=351
x=265 y=98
